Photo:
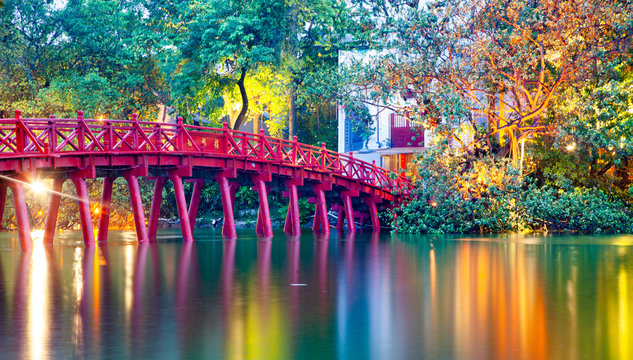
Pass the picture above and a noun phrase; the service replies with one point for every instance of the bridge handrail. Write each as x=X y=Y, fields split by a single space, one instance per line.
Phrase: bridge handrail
x=53 y=137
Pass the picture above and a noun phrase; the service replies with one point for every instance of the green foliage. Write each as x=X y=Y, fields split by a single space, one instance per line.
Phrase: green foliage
x=455 y=195
x=458 y=195
x=225 y=41
x=306 y=211
x=578 y=209
x=56 y=61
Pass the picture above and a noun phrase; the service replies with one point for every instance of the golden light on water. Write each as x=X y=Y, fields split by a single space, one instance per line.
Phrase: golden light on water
x=38 y=308
x=624 y=319
x=78 y=289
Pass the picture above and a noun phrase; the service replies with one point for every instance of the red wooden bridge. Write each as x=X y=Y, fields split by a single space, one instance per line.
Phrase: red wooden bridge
x=80 y=149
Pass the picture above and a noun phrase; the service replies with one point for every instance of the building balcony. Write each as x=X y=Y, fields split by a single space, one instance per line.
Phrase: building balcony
x=404 y=133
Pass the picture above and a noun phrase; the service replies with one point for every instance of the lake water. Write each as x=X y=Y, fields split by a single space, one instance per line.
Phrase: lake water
x=511 y=297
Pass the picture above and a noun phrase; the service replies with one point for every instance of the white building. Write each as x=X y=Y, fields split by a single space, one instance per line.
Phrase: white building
x=395 y=139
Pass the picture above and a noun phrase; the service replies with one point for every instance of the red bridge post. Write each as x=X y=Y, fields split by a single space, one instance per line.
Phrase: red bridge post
x=346 y=195
x=52 y=135
x=154 y=213
x=22 y=215
x=198 y=185
x=293 y=223
x=81 y=137
x=105 y=209
x=339 y=220
x=371 y=202
x=53 y=211
x=234 y=187
x=321 y=219
x=227 y=195
x=137 y=208
x=3 y=200
x=264 y=226
x=84 y=210
x=181 y=204
x=20 y=137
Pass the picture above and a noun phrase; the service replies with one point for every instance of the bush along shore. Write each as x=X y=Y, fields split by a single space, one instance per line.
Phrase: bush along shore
x=459 y=194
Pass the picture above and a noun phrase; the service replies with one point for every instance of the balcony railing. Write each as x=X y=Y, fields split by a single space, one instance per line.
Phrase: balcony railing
x=404 y=133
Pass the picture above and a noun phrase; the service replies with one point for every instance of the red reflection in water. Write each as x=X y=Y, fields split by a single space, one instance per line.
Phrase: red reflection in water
x=264 y=248
x=137 y=325
x=293 y=251
x=186 y=284
x=321 y=248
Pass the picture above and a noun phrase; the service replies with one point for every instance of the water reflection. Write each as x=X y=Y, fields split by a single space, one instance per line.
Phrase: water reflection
x=288 y=297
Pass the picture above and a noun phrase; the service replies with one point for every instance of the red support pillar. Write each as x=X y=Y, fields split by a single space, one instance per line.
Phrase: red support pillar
x=53 y=211
x=233 y=188
x=137 y=208
x=22 y=216
x=349 y=212
x=228 y=226
x=293 y=223
x=155 y=211
x=339 y=220
x=3 y=200
x=198 y=185
x=325 y=221
x=373 y=212
x=104 y=210
x=84 y=210
x=181 y=204
x=316 y=222
x=265 y=227
x=259 y=226
x=287 y=222
x=320 y=213
x=361 y=218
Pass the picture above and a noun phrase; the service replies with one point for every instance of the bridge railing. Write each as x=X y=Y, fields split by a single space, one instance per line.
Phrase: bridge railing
x=47 y=137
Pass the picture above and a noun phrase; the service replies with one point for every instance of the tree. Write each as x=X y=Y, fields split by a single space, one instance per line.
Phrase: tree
x=317 y=31
x=225 y=40
x=499 y=64
x=56 y=61
x=29 y=49
x=597 y=136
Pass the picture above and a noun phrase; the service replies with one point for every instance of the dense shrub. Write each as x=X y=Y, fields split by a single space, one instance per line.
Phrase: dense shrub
x=452 y=195
x=574 y=209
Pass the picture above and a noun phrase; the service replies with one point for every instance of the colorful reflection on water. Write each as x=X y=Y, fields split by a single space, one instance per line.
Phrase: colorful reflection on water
x=310 y=298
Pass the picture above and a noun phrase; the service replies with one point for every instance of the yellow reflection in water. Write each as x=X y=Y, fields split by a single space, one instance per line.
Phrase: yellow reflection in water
x=38 y=313
x=258 y=323
x=624 y=315
x=129 y=259
x=499 y=306
x=266 y=331
x=78 y=288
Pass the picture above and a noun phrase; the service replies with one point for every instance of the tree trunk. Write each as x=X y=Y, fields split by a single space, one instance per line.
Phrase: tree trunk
x=256 y=120
x=242 y=114
x=292 y=118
